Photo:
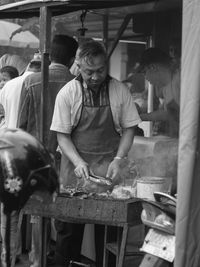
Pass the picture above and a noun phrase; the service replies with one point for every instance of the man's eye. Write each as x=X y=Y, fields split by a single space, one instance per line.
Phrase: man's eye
x=101 y=70
x=89 y=73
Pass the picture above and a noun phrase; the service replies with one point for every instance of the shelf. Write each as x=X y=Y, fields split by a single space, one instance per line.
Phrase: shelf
x=131 y=249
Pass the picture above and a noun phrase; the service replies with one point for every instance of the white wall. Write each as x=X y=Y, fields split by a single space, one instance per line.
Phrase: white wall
x=118 y=62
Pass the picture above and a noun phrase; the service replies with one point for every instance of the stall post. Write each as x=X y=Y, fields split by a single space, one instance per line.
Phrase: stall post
x=45 y=41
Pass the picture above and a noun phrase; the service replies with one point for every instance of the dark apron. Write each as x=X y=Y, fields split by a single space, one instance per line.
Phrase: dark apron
x=95 y=138
x=173 y=110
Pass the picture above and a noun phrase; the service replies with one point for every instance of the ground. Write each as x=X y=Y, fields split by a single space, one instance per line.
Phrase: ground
x=24 y=262
x=129 y=262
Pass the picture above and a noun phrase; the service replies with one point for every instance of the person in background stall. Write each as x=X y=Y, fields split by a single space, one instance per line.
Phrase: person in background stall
x=94 y=118
x=63 y=50
x=7 y=73
x=159 y=70
x=11 y=92
x=136 y=84
x=9 y=99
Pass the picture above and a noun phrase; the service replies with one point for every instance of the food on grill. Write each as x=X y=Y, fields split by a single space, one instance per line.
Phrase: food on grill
x=99 y=179
x=123 y=192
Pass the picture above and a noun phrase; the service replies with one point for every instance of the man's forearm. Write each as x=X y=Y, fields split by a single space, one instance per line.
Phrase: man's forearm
x=126 y=142
x=67 y=147
x=158 y=115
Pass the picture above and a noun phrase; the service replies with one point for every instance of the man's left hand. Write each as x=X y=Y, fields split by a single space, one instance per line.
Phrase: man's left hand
x=113 y=169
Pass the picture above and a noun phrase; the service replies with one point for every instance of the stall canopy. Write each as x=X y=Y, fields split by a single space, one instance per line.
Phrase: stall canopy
x=30 y=8
x=97 y=12
x=188 y=211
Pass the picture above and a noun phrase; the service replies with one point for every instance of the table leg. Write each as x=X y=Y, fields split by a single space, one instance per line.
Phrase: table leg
x=123 y=246
x=19 y=224
x=105 y=251
x=43 y=223
x=119 y=237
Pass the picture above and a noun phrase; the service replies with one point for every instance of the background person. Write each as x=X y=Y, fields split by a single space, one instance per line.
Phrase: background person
x=7 y=73
x=11 y=92
x=159 y=70
x=9 y=99
x=94 y=118
x=63 y=49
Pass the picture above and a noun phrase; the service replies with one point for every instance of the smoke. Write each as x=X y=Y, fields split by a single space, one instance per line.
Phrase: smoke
x=156 y=158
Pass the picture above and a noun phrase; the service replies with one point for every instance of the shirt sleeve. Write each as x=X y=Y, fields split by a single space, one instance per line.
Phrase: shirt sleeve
x=2 y=95
x=176 y=88
x=61 y=121
x=23 y=110
x=130 y=116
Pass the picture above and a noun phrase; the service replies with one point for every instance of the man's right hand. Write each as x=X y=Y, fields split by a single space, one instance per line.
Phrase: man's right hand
x=82 y=170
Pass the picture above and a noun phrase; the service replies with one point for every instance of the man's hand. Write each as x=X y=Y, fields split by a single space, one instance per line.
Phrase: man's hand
x=82 y=170
x=113 y=169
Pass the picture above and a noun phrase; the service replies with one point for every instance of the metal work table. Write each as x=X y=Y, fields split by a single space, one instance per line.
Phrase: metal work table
x=122 y=213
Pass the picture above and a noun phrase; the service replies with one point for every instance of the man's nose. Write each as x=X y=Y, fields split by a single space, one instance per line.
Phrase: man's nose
x=95 y=76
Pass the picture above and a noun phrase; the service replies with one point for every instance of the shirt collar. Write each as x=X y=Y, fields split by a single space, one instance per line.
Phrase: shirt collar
x=80 y=79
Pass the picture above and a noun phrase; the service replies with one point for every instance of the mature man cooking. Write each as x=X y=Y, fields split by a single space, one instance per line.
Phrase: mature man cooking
x=94 y=117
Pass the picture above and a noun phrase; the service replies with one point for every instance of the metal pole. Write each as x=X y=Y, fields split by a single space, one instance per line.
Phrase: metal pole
x=119 y=34
x=45 y=42
x=150 y=98
x=105 y=31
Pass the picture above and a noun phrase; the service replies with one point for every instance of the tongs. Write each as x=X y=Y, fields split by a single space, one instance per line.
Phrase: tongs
x=99 y=179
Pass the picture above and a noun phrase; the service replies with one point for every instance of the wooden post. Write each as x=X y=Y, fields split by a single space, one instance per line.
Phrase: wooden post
x=45 y=42
x=150 y=96
x=105 y=31
x=119 y=34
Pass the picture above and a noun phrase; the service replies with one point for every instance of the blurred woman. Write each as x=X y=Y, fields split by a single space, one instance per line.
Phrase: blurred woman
x=6 y=74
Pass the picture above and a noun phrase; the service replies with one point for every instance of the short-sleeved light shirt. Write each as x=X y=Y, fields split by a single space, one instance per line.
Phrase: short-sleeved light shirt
x=171 y=92
x=68 y=106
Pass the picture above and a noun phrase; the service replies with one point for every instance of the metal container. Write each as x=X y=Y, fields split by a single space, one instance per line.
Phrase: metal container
x=147 y=185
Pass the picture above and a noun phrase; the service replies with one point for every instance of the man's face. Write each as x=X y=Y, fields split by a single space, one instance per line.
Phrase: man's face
x=4 y=78
x=93 y=71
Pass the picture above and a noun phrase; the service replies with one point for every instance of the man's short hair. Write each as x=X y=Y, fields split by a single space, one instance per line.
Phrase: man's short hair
x=89 y=49
x=12 y=71
x=35 y=66
x=63 y=49
x=153 y=55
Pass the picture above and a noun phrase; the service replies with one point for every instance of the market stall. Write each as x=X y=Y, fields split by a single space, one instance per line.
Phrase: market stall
x=187 y=200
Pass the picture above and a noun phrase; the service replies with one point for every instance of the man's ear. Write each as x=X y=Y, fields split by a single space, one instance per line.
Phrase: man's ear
x=71 y=62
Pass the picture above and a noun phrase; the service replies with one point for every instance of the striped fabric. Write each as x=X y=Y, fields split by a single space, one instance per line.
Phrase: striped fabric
x=92 y=98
